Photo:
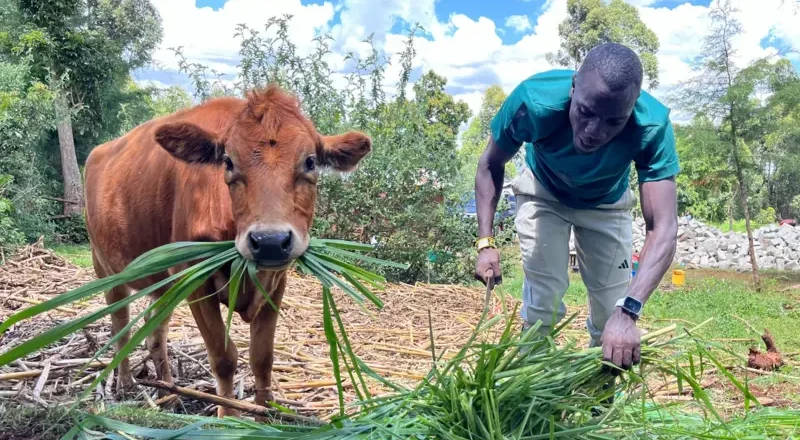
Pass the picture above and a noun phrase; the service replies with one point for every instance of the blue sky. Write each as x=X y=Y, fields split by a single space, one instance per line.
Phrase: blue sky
x=474 y=43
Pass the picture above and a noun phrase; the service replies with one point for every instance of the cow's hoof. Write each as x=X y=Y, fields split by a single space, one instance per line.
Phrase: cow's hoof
x=125 y=387
x=227 y=412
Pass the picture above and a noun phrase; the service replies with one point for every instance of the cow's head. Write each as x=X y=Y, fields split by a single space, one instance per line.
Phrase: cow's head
x=270 y=155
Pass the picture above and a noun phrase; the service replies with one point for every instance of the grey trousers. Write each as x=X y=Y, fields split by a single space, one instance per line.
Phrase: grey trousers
x=603 y=243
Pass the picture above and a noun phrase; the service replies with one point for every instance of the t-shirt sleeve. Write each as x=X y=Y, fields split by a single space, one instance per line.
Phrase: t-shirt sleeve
x=658 y=159
x=513 y=124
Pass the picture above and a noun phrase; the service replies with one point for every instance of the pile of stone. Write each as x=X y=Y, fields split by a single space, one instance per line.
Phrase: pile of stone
x=703 y=246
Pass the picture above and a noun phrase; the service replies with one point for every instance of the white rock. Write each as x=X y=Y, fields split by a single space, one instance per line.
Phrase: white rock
x=710 y=246
x=785 y=230
x=794 y=255
x=731 y=247
x=704 y=260
x=777 y=241
x=721 y=255
x=792 y=265
x=780 y=264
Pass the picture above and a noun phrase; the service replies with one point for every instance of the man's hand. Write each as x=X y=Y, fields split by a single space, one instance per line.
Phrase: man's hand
x=621 y=341
x=488 y=259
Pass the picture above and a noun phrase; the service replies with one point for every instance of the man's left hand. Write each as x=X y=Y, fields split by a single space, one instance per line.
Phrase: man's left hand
x=621 y=341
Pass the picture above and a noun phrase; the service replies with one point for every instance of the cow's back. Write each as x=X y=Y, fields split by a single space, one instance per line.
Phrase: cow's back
x=139 y=197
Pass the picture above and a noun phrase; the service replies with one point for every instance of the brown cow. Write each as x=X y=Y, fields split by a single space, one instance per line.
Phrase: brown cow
x=228 y=169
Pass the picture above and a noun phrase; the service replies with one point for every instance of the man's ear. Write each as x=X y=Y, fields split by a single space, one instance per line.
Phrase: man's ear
x=190 y=143
x=343 y=152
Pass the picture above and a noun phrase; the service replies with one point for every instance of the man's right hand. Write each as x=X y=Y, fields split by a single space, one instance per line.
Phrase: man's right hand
x=488 y=259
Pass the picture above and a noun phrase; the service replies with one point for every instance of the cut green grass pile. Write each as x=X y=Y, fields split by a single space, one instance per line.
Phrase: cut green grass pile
x=522 y=386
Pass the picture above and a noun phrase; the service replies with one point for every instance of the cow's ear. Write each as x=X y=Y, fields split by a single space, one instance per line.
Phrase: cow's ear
x=344 y=151
x=190 y=143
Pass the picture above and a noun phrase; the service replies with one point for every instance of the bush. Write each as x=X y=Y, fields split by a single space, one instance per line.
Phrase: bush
x=71 y=230
x=10 y=235
x=766 y=216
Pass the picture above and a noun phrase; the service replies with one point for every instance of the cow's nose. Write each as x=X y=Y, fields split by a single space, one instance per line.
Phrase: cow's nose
x=270 y=245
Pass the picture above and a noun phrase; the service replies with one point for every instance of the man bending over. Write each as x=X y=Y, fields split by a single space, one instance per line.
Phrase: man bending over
x=581 y=131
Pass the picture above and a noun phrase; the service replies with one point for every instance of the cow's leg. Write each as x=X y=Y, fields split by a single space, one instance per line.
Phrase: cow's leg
x=223 y=360
x=262 y=341
x=157 y=344
x=119 y=320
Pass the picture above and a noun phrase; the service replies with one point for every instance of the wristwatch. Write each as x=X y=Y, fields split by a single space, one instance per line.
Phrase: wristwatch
x=485 y=242
x=631 y=306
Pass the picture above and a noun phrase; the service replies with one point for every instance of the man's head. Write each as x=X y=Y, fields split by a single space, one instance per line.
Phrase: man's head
x=604 y=92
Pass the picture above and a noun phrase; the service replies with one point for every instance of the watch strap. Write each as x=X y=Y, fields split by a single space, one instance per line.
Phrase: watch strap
x=635 y=314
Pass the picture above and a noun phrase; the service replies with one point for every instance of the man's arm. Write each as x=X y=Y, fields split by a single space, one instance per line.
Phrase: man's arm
x=660 y=212
x=621 y=339
x=488 y=187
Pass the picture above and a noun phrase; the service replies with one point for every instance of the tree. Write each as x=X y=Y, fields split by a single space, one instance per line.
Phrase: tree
x=474 y=138
x=719 y=93
x=593 y=22
x=84 y=49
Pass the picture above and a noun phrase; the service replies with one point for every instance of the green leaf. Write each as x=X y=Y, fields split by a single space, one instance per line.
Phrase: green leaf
x=237 y=272
x=330 y=335
x=251 y=272
x=342 y=244
x=364 y=258
x=150 y=263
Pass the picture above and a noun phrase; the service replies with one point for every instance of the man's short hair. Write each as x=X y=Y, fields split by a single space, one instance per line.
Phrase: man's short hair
x=618 y=66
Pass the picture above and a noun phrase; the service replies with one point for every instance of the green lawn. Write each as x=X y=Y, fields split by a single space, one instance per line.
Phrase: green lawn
x=738 y=226
x=78 y=254
x=727 y=297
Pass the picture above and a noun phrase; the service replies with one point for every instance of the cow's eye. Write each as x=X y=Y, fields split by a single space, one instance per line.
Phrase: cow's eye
x=311 y=163
x=228 y=164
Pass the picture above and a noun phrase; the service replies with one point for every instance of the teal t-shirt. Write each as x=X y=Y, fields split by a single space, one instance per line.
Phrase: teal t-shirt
x=536 y=114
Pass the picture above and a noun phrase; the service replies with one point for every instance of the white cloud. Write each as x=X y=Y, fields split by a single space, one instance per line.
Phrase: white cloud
x=467 y=50
x=208 y=35
x=519 y=23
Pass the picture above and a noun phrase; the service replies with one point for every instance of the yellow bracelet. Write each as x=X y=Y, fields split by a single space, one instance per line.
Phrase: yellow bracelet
x=485 y=242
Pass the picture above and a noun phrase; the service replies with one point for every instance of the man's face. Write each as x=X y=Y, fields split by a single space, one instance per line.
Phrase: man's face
x=596 y=114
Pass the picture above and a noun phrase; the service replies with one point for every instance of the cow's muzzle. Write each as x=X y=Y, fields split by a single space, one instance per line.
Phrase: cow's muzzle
x=271 y=248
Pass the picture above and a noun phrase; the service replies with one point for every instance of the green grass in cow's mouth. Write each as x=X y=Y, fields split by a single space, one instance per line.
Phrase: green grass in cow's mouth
x=325 y=259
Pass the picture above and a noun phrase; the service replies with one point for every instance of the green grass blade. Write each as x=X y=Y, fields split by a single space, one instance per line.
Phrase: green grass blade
x=364 y=258
x=139 y=268
x=162 y=307
x=345 y=266
x=348 y=347
x=252 y=273
x=342 y=244
x=330 y=335
x=321 y=271
x=237 y=272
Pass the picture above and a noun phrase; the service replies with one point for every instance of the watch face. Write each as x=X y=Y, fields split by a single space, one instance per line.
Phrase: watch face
x=632 y=304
